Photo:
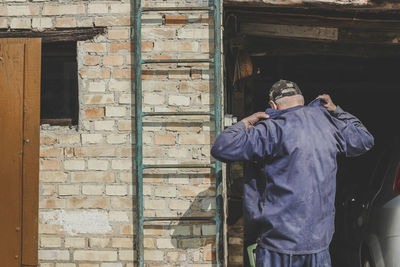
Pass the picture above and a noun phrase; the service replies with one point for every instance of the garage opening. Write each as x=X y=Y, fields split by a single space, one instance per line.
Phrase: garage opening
x=351 y=56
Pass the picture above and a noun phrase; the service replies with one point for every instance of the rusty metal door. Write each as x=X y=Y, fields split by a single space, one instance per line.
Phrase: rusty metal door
x=19 y=150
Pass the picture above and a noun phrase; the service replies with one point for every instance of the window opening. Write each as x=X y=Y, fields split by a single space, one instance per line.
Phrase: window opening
x=59 y=84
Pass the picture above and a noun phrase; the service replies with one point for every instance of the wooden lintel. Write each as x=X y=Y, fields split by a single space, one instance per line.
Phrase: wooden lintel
x=57 y=35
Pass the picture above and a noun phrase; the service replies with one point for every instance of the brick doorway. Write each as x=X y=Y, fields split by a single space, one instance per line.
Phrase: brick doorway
x=19 y=154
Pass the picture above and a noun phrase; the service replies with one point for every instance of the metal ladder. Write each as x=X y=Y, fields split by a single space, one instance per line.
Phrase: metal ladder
x=217 y=114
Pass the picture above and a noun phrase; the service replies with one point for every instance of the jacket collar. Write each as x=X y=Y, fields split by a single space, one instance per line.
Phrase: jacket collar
x=273 y=113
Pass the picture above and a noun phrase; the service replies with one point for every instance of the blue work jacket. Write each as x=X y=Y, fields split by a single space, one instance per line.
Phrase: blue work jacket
x=290 y=172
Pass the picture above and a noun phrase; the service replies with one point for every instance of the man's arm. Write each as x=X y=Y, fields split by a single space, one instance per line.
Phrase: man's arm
x=243 y=141
x=357 y=139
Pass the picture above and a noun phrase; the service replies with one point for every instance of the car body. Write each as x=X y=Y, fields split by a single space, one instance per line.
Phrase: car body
x=375 y=212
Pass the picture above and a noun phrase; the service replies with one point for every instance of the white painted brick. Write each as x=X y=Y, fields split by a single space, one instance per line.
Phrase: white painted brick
x=98 y=8
x=75 y=242
x=20 y=23
x=166 y=243
x=153 y=99
x=125 y=99
x=74 y=165
x=120 y=8
x=42 y=23
x=99 y=165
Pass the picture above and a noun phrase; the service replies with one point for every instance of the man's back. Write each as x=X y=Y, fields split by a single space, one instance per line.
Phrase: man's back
x=290 y=174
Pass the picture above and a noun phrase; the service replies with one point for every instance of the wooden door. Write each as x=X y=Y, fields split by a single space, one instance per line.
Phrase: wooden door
x=19 y=150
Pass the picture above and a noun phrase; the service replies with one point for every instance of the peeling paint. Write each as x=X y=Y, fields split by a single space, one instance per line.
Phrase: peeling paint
x=78 y=222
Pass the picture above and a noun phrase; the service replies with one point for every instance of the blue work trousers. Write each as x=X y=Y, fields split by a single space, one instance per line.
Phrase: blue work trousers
x=266 y=258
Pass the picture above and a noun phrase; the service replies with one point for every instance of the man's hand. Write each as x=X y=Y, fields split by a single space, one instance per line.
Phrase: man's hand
x=327 y=102
x=253 y=119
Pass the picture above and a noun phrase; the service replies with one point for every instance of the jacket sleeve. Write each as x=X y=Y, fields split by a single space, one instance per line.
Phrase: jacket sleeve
x=238 y=144
x=356 y=138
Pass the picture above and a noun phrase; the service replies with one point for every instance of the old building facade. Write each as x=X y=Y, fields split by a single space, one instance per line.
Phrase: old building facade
x=87 y=179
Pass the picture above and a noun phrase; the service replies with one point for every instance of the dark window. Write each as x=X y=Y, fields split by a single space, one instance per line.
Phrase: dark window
x=59 y=88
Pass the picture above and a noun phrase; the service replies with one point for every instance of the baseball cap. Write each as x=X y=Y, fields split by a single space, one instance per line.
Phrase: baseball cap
x=283 y=88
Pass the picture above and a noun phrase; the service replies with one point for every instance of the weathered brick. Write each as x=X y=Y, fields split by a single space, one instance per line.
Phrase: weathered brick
x=70 y=139
x=116 y=138
x=121 y=203
x=50 y=242
x=121 y=164
x=175 y=20
x=118 y=47
x=50 y=152
x=126 y=255
x=74 y=165
x=118 y=34
x=96 y=99
x=194 y=139
x=91 y=60
x=4 y=23
x=94 y=190
x=65 y=22
x=92 y=177
x=92 y=138
x=75 y=242
x=51 y=10
x=99 y=165
x=113 y=60
x=102 y=73
x=153 y=99
x=92 y=113
x=48 y=190
x=122 y=73
x=124 y=125
x=53 y=255
x=50 y=165
x=52 y=203
x=180 y=256
x=164 y=139
x=93 y=255
x=104 y=125
x=96 y=151
x=115 y=111
x=96 y=86
x=85 y=203
x=118 y=216
x=97 y=8
x=179 y=100
x=112 y=21
x=116 y=190
x=122 y=242
x=95 y=47
x=20 y=23
x=118 y=85
x=97 y=242
x=42 y=23
x=153 y=255
x=120 y=8
x=125 y=99
x=65 y=190
x=22 y=10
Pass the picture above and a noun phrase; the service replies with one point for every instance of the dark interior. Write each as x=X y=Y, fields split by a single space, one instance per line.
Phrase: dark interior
x=59 y=84
x=367 y=87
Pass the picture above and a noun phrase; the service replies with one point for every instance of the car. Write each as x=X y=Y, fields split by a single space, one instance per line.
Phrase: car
x=372 y=212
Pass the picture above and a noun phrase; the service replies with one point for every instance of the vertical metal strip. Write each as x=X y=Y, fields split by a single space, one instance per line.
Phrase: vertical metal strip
x=218 y=127
x=139 y=132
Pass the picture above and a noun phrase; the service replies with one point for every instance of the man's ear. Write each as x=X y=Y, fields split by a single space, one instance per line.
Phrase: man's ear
x=273 y=104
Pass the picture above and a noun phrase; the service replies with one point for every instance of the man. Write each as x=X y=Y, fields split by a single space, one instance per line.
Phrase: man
x=290 y=173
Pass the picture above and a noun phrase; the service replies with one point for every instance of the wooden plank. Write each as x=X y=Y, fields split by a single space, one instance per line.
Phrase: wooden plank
x=293 y=31
x=58 y=35
x=31 y=152
x=11 y=115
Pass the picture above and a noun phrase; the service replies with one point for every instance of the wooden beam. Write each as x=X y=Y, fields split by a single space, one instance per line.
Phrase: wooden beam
x=290 y=47
x=58 y=35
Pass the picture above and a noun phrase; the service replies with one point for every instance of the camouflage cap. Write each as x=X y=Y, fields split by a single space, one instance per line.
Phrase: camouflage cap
x=283 y=88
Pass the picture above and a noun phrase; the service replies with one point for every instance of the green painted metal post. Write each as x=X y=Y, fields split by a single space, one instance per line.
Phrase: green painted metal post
x=139 y=132
x=218 y=126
